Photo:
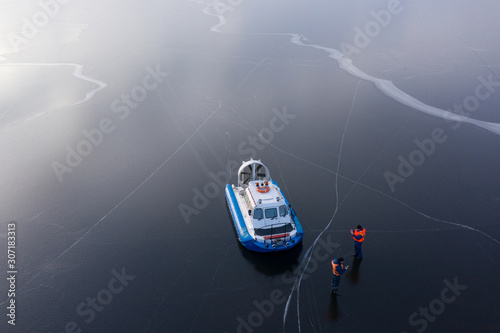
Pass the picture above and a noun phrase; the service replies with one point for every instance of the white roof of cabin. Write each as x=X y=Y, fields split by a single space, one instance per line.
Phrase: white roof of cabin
x=269 y=199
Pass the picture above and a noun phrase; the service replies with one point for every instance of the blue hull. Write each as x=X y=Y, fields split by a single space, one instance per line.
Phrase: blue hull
x=241 y=229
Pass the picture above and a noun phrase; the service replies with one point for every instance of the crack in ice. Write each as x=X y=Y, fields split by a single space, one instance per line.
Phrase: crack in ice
x=215 y=9
x=390 y=90
x=156 y=170
x=356 y=182
x=311 y=248
x=78 y=73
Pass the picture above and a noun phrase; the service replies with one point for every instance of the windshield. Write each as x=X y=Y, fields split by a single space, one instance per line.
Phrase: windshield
x=257 y=214
x=283 y=210
x=271 y=213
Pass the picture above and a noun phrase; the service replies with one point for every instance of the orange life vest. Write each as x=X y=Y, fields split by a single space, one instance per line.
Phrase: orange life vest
x=359 y=232
x=335 y=268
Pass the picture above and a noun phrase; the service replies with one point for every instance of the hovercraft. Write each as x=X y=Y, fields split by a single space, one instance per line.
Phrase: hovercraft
x=263 y=218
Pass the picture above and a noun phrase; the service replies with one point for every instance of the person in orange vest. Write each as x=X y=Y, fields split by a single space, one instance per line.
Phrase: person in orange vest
x=359 y=236
x=338 y=270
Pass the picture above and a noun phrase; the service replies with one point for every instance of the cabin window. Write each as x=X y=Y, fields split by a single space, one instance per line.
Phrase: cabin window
x=283 y=210
x=271 y=213
x=257 y=214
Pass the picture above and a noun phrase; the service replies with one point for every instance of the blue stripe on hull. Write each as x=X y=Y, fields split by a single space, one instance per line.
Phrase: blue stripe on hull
x=235 y=210
x=241 y=229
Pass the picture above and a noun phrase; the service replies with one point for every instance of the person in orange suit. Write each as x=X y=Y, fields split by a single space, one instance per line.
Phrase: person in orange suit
x=359 y=236
x=338 y=270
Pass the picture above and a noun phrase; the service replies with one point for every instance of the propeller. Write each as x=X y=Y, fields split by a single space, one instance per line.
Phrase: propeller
x=253 y=170
x=257 y=171
x=247 y=171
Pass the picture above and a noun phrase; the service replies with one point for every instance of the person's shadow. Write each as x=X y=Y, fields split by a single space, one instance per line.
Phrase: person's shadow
x=333 y=309
x=353 y=276
x=353 y=273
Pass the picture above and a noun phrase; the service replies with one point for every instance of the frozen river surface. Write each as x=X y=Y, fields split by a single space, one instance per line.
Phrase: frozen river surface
x=122 y=121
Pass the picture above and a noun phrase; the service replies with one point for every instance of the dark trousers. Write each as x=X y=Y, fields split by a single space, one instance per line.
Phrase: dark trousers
x=357 y=249
x=335 y=281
